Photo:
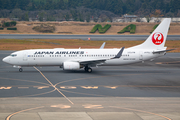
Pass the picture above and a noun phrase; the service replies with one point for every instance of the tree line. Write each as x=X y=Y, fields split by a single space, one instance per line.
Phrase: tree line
x=169 y=8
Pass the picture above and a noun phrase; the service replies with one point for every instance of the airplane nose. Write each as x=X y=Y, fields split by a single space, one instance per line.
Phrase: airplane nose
x=5 y=59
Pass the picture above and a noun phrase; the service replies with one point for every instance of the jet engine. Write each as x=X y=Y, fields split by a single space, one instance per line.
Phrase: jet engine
x=71 y=66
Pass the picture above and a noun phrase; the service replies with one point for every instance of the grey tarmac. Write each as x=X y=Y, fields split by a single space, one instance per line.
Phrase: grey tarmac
x=142 y=91
x=83 y=37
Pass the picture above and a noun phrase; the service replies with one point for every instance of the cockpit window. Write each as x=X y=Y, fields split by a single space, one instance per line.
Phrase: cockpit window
x=13 y=55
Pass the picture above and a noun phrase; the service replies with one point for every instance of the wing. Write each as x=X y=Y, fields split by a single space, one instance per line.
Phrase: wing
x=100 y=61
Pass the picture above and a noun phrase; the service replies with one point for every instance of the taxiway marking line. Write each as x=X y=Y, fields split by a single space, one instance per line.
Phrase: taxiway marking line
x=175 y=62
x=8 y=117
x=91 y=78
x=23 y=87
x=54 y=86
x=23 y=80
x=142 y=111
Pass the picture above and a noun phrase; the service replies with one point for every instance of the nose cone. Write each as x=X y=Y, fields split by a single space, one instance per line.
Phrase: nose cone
x=6 y=59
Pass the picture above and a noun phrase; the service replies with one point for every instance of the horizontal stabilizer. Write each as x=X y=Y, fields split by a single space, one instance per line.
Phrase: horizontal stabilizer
x=162 y=51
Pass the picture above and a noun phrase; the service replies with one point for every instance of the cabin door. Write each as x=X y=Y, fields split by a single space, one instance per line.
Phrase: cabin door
x=140 y=55
x=25 y=57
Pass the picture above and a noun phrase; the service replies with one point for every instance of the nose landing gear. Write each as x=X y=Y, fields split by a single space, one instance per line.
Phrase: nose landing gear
x=20 y=69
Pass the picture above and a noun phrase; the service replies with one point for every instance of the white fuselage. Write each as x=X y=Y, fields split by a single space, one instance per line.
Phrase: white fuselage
x=56 y=57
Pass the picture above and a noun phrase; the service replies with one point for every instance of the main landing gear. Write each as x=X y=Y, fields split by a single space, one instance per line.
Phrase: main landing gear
x=88 y=69
x=20 y=69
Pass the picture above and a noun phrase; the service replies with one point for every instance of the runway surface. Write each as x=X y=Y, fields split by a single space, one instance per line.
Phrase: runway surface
x=83 y=37
x=147 y=91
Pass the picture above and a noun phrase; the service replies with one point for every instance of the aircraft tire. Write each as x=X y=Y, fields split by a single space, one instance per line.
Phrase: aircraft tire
x=89 y=70
x=20 y=69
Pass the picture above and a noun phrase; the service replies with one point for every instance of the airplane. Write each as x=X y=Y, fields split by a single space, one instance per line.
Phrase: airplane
x=75 y=59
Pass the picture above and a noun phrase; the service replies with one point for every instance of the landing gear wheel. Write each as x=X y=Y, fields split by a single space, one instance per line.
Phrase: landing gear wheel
x=20 y=69
x=89 y=70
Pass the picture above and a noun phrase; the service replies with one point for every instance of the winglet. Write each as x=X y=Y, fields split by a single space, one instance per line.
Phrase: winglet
x=102 y=46
x=119 y=54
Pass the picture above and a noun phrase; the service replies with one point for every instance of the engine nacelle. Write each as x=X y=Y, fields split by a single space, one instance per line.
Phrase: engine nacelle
x=71 y=66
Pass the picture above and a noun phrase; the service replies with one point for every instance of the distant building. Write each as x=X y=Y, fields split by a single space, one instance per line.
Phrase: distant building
x=125 y=18
x=99 y=20
x=60 y=19
x=175 y=19
x=129 y=18
x=33 y=19
x=155 y=20
x=133 y=18
x=14 y=19
x=91 y=20
x=143 y=19
x=44 y=19
x=117 y=19
x=71 y=19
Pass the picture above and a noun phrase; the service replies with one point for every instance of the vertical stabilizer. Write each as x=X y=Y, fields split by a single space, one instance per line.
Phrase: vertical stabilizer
x=158 y=38
x=102 y=46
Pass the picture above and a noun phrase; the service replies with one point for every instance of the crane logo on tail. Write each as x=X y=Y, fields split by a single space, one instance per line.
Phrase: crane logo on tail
x=157 y=38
